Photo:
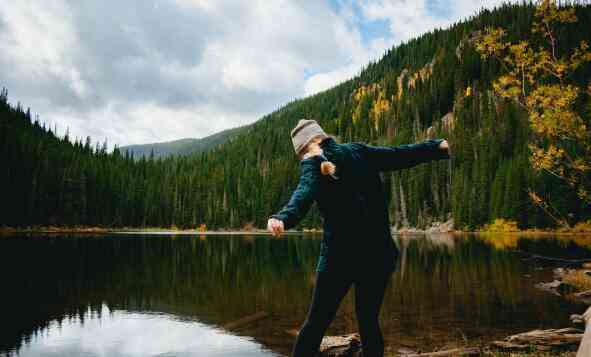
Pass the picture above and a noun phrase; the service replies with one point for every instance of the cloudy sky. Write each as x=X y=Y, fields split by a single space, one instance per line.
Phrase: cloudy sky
x=138 y=71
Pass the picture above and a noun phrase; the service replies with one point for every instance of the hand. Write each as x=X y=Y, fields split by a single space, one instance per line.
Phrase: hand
x=275 y=226
x=444 y=145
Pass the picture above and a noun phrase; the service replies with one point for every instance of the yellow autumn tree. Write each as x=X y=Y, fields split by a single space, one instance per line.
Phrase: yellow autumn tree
x=378 y=104
x=540 y=79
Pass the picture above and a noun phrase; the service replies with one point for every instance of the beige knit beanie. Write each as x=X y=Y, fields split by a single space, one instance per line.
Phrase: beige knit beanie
x=304 y=132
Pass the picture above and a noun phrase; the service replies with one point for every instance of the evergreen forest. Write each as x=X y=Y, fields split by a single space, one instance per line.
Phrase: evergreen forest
x=436 y=85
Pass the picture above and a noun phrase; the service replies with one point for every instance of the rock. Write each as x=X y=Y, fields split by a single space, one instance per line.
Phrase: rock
x=550 y=287
x=341 y=346
x=438 y=227
x=470 y=39
x=406 y=351
x=577 y=319
x=559 y=272
x=556 y=287
x=337 y=346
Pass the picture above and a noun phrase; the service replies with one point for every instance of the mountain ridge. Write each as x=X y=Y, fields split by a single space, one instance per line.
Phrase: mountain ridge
x=183 y=146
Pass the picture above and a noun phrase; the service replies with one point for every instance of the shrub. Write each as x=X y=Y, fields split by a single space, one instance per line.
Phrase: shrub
x=501 y=225
x=582 y=227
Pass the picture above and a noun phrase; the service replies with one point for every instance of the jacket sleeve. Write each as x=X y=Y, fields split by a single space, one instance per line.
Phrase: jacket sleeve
x=303 y=196
x=388 y=158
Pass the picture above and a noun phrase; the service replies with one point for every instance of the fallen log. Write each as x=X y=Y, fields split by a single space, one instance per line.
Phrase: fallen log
x=245 y=320
x=543 y=340
x=292 y=332
x=470 y=351
x=583 y=296
x=576 y=262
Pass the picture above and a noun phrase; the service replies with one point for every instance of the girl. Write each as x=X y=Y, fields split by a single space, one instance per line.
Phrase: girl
x=357 y=246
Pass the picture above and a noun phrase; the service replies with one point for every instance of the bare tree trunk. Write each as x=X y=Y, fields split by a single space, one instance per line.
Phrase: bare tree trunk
x=403 y=207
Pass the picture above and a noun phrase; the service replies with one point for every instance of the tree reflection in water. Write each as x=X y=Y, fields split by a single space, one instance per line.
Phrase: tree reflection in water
x=446 y=288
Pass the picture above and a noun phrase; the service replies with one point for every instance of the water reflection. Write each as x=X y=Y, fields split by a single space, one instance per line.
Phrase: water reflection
x=120 y=287
x=121 y=333
x=461 y=287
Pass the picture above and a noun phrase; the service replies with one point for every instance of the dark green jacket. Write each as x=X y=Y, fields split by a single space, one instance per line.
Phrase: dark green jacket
x=353 y=205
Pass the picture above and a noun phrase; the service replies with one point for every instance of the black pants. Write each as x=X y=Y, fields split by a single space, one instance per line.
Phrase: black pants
x=329 y=290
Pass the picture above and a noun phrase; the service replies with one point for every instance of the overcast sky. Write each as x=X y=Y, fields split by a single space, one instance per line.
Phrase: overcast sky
x=139 y=71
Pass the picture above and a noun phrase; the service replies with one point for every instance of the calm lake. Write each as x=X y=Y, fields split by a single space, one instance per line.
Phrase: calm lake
x=241 y=295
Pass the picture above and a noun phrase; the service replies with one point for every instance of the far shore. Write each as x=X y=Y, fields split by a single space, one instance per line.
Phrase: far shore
x=251 y=231
x=136 y=230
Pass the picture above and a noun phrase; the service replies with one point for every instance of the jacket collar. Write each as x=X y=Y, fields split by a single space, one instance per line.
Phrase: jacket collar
x=327 y=145
x=327 y=142
x=331 y=149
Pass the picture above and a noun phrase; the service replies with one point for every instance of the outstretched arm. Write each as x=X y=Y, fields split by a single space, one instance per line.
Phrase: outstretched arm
x=387 y=158
x=301 y=199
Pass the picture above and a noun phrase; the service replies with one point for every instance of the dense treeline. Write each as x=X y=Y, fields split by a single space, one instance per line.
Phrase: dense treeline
x=435 y=85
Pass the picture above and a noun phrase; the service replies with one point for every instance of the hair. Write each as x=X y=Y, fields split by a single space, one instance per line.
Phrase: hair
x=326 y=167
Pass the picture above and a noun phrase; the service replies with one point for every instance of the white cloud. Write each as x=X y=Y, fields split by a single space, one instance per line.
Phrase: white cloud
x=360 y=57
x=161 y=72
x=36 y=43
x=406 y=19
x=411 y=18
x=357 y=53
x=155 y=71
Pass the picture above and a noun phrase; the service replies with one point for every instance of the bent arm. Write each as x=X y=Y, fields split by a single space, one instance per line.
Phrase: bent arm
x=387 y=158
x=303 y=196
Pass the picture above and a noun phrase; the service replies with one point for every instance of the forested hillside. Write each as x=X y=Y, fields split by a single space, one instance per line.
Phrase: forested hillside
x=433 y=86
x=182 y=146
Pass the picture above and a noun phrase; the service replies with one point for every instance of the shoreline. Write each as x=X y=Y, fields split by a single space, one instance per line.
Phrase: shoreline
x=93 y=230
x=162 y=230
